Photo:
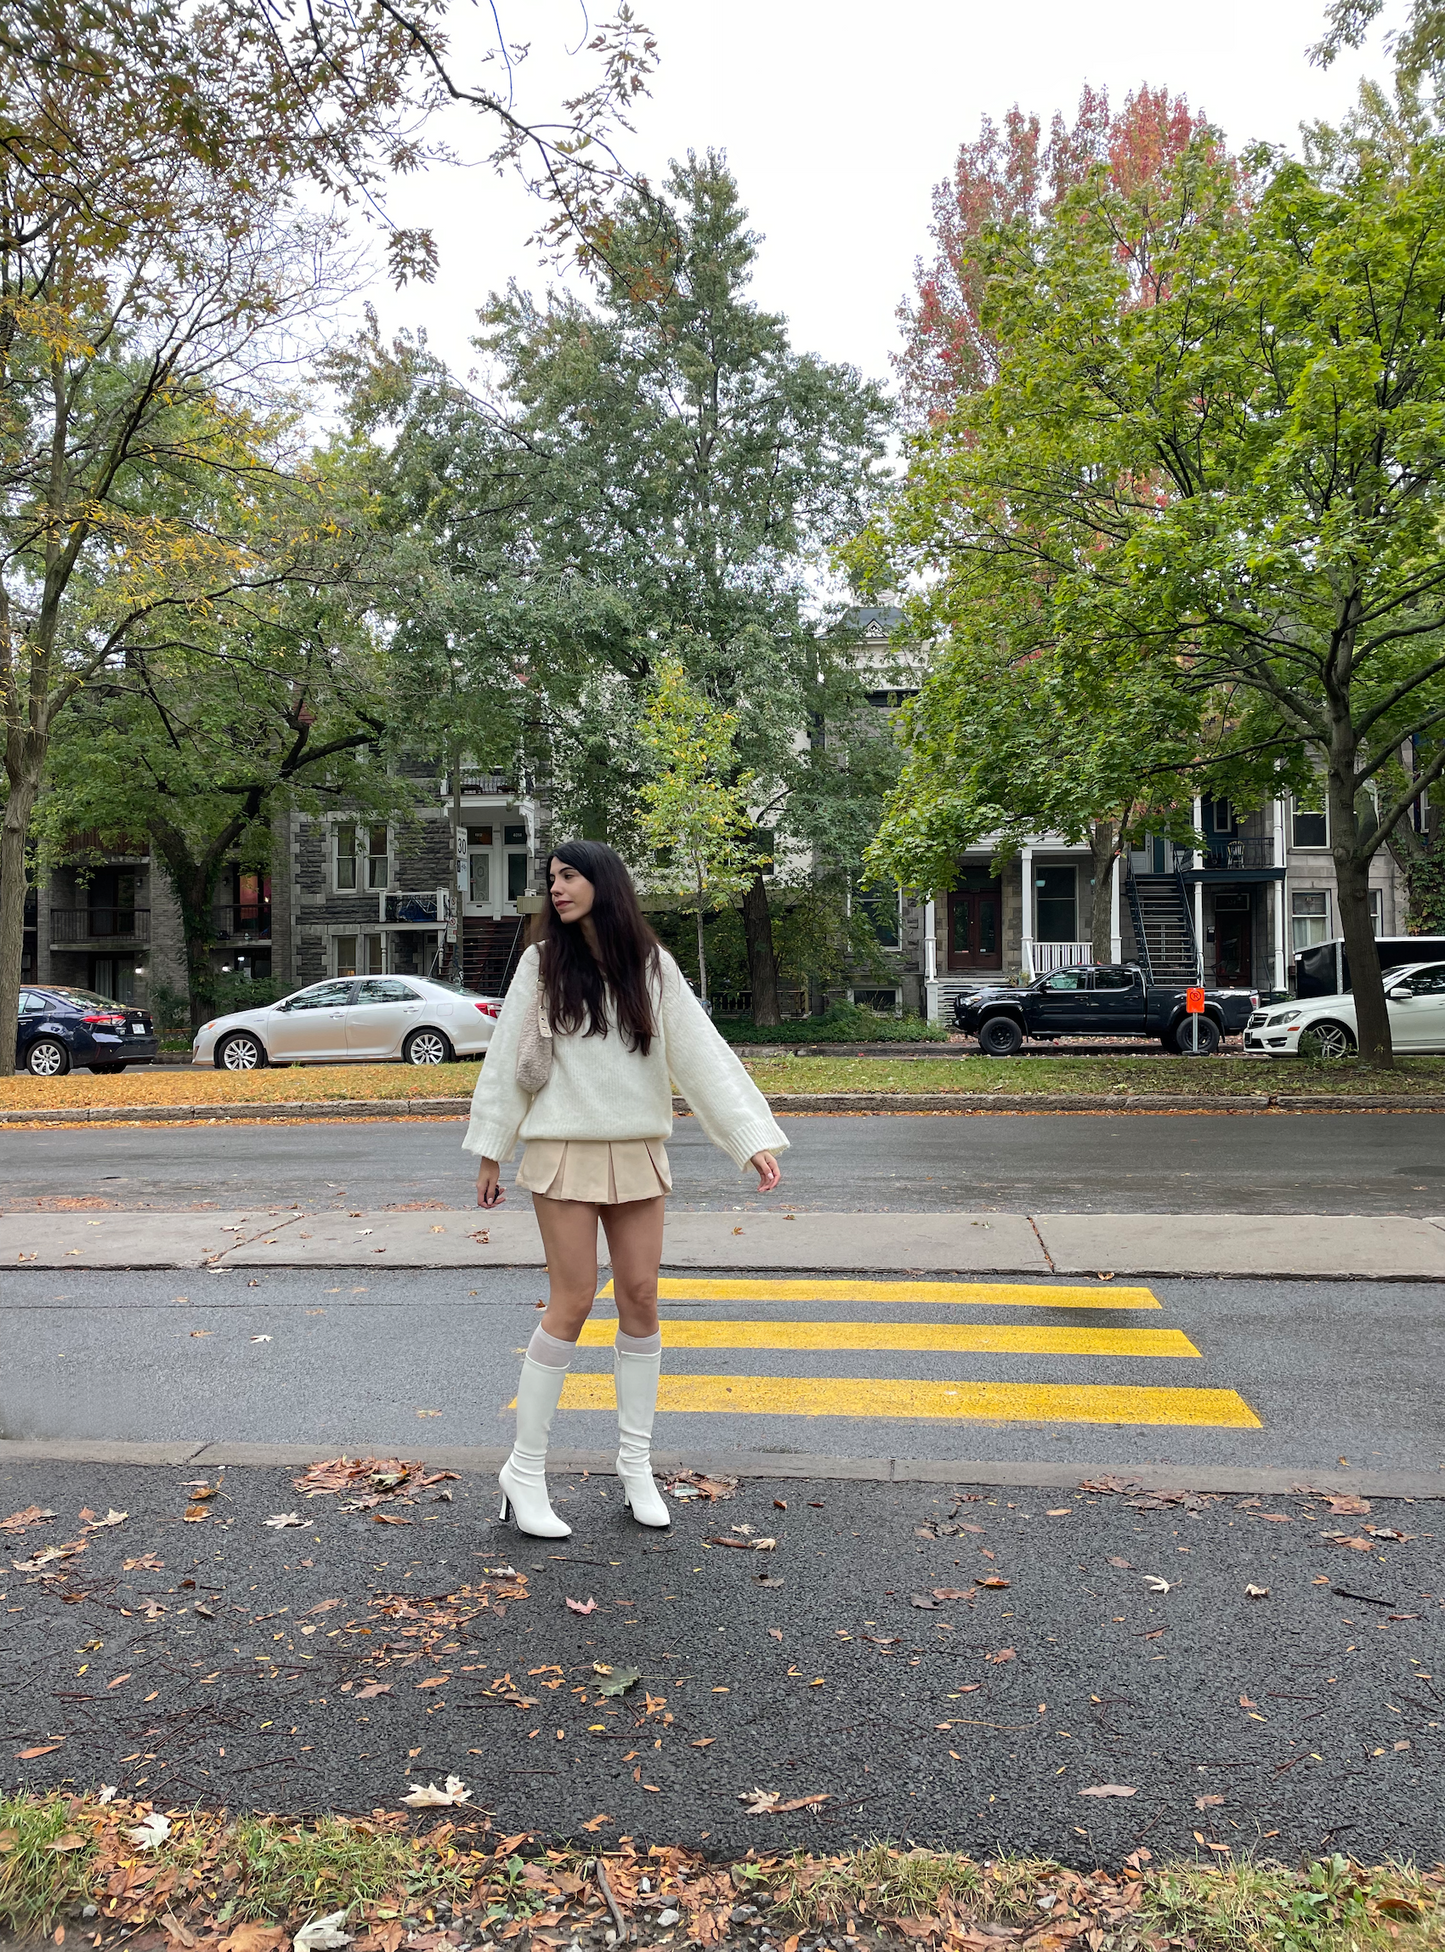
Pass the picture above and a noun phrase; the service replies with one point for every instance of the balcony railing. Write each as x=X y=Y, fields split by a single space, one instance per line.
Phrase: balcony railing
x=427 y=905
x=242 y=921
x=100 y=925
x=1043 y=958
x=1228 y=851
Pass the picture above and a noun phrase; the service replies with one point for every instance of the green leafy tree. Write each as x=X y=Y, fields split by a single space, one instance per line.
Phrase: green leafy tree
x=1243 y=480
x=694 y=801
x=688 y=470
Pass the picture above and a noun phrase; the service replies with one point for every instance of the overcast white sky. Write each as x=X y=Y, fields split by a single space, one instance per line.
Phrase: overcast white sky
x=839 y=118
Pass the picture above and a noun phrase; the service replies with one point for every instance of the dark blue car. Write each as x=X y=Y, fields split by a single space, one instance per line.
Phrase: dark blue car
x=61 y=1027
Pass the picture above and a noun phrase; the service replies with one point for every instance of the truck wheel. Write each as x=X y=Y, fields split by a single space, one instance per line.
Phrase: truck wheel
x=1000 y=1037
x=1209 y=1039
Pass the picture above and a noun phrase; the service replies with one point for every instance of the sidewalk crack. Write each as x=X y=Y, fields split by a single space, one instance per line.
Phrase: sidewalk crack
x=1043 y=1248
x=274 y=1227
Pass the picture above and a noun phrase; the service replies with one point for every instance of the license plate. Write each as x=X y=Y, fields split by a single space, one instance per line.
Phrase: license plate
x=138 y=1029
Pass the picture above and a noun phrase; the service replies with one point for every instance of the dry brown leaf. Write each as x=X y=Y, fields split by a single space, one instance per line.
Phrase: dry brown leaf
x=254 y=1936
x=769 y=1802
x=589 y=1605
x=1109 y=1789
x=430 y=1797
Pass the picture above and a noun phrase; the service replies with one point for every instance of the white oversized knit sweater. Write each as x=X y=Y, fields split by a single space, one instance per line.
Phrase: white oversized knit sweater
x=599 y=1089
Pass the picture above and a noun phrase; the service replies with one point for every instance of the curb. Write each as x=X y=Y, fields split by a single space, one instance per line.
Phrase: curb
x=798 y=1103
x=486 y=1460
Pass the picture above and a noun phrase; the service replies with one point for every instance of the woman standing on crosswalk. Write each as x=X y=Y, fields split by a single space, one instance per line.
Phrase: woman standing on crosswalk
x=598 y=1026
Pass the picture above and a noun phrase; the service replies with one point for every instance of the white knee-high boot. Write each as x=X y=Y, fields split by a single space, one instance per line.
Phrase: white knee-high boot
x=524 y=1475
x=637 y=1377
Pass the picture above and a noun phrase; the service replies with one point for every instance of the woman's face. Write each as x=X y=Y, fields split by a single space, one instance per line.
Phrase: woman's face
x=572 y=892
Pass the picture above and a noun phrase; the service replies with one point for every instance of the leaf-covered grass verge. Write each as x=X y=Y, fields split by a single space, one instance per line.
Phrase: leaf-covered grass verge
x=1086 y=1076
x=202 y=1085
x=256 y=1879
x=845 y=1023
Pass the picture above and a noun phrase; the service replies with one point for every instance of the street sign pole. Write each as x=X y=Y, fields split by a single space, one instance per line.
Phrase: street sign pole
x=1194 y=1004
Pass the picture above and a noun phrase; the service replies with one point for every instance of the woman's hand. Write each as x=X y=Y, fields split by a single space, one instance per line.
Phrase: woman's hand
x=489 y=1191
x=766 y=1168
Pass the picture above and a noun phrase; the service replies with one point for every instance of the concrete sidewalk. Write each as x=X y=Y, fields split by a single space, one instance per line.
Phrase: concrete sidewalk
x=1304 y=1246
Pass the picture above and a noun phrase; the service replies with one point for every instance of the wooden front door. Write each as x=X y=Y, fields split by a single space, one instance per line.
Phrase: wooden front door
x=975 y=926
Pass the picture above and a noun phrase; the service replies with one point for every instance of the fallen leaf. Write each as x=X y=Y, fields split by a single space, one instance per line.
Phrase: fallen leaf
x=117 y=1681
x=253 y=1936
x=615 y=1680
x=148 y=1562
x=107 y=1793
x=278 y=1524
x=769 y=1802
x=589 y=1605
x=45 y=1748
x=747 y=1545
x=321 y=1606
x=596 y=1823
x=1207 y=1802
x=1109 y=1789
x=993 y=1580
x=1256 y=1592
x=780 y=1504
x=1344 y=1505
x=434 y=1681
x=73 y=1839
x=18 y=1520
x=151 y=1831
x=693 y=1484
x=112 y=1517
x=260 y=1338
x=1060 y=1511
x=371 y=1690
x=704 y=1741
x=1124 y=1563
x=193 y=1514
x=1245 y=1702
x=954 y=1592
x=1353 y=1545
x=766 y=1579
x=176 y=1932
x=1003 y=1654
x=924 y=1601
x=322 y=1934
x=1155 y=1583
x=432 y=1798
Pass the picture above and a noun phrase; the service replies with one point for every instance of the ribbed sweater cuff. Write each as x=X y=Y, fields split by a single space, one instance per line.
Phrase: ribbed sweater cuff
x=489 y=1141
x=754 y=1135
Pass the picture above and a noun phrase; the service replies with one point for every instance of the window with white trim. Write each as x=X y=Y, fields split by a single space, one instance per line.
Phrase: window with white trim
x=358 y=955
x=378 y=857
x=1310 y=821
x=1309 y=917
x=1377 y=911
x=345 y=856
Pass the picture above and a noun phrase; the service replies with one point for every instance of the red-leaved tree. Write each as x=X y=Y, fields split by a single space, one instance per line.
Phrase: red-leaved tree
x=1009 y=176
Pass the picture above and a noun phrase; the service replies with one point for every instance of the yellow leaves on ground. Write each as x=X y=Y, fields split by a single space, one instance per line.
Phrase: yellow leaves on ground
x=187 y=1084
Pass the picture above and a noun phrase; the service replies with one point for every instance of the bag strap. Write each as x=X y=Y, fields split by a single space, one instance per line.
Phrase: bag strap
x=543 y=1027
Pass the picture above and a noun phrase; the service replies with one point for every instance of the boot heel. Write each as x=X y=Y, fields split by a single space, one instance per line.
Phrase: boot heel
x=505 y=1513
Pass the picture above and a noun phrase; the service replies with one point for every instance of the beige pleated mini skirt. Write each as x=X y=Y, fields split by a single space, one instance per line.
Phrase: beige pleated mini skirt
x=605 y=1172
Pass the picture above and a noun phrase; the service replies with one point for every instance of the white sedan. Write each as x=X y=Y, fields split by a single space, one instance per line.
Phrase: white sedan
x=1414 y=998
x=354 y=1019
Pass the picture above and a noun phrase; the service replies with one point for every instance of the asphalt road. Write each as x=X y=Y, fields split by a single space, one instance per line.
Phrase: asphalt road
x=1350 y=1162
x=1293 y=1375
x=229 y=1665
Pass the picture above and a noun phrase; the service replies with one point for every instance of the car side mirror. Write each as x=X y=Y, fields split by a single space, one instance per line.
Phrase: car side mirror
x=1400 y=995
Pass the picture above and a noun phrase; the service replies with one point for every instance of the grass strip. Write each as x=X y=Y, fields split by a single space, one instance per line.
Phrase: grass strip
x=258 y=1878
x=1036 y=1076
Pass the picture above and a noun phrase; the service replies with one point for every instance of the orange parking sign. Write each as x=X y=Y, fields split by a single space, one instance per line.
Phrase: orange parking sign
x=1194 y=1001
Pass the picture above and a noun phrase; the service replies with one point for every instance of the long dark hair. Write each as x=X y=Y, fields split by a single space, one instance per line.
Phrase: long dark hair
x=575 y=982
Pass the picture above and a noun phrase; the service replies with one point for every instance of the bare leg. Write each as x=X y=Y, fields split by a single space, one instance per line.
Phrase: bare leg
x=634 y=1246
x=569 y=1236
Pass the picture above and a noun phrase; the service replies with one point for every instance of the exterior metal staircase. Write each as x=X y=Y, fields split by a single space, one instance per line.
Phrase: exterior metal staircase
x=491 y=948
x=1164 y=937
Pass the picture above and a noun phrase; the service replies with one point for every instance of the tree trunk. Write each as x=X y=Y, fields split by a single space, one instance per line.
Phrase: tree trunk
x=194 y=885
x=701 y=951
x=762 y=956
x=24 y=791
x=1102 y=850
x=1352 y=885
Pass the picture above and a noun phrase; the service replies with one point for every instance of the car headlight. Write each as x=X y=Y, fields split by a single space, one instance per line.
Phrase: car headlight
x=1284 y=1016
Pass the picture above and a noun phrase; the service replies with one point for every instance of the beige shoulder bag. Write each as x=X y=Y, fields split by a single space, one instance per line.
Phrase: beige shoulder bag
x=534 y=1045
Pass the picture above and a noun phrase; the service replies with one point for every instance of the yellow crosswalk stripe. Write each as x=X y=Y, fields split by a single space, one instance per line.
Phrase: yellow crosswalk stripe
x=967 y=1294
x=984 y=1402
x=996 y=1338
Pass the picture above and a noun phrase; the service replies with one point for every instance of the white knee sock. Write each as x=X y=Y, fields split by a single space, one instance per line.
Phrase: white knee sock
x=550 y=1350
x=640 y=1345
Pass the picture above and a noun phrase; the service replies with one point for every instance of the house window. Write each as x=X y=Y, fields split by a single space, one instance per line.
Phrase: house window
x=359 y=955
x=1309 y=917
x=1377 y=906
x=1056 y=905
x=515 y=836
x=1222 y=820
x=345 y=856
x=880 y=905
x=378 y=857
x=1311 y=822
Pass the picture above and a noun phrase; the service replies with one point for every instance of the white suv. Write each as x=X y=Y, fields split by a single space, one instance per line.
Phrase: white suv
x=1414 y=998
x=354 y=1019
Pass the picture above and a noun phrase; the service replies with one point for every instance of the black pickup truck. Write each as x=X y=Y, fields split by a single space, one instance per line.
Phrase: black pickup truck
x=1098 y=1000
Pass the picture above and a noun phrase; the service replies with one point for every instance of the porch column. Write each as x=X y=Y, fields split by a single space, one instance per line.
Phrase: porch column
x=930 y=961
x=1116 y=940
x=1199 y=892
x=1026 y=948
x=1280 y=905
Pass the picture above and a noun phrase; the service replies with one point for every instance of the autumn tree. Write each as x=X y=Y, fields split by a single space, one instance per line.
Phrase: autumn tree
x=1241 y=481
x=1010 y=178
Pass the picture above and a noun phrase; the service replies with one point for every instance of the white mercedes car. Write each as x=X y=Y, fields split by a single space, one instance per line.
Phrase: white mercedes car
x=1414 y=997
x=370 y=1019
